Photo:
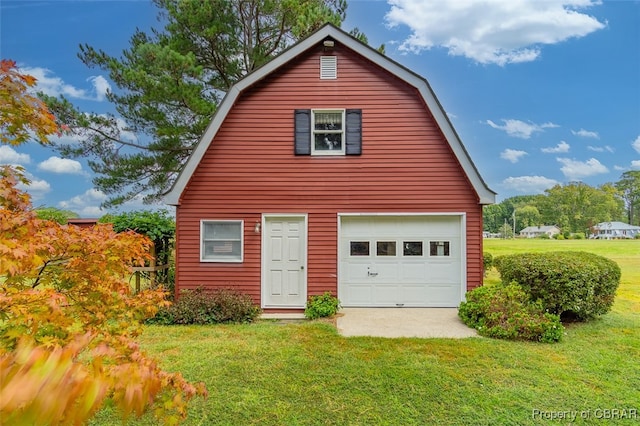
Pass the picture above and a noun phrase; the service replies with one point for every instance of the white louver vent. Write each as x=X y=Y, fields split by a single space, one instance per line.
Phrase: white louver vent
x=328 y=67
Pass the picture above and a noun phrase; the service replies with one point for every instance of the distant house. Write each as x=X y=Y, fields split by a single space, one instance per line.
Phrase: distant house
x=538 y=231
x=611 y=230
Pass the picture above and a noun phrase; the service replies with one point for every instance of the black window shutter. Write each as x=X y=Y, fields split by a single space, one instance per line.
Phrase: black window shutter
x=302 y=132
x=354 y=132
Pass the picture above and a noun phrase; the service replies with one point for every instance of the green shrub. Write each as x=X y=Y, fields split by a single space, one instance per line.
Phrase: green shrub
x=324 y=305
x=578 y=236
x=574 y=285
x=487 y=262
x=505 y=312
x=201 y=306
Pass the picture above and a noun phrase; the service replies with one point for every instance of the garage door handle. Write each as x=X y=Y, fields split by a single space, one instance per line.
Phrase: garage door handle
x=372 y=274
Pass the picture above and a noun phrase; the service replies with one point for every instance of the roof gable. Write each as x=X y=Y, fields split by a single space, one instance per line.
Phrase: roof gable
x=485 y=195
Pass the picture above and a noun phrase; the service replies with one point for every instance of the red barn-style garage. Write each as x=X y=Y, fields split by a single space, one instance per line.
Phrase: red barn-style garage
x=331 y=168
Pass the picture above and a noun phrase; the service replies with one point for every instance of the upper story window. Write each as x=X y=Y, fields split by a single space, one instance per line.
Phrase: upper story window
x=328 y=132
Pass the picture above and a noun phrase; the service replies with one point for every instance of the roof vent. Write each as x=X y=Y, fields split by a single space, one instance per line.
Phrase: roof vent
x=328 y=67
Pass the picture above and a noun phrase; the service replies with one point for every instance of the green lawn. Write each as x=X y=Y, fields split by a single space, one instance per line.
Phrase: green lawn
x=300 y=374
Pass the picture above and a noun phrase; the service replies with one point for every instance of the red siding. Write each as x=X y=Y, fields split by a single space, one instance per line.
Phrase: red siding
x=250 y=169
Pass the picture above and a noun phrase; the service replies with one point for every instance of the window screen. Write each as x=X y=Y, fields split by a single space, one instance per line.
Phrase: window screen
x=221 y=241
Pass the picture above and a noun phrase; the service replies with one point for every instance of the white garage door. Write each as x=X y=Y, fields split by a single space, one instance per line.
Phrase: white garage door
x=409 y=261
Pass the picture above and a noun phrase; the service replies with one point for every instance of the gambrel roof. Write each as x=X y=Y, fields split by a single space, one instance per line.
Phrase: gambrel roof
x=486 y=195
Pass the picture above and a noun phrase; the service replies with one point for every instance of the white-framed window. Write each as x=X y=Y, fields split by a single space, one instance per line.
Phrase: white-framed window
x=328 y=135
x=439 y=248
x=221 y=240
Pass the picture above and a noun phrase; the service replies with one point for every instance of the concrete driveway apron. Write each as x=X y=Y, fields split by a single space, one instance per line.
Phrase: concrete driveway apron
x=403 y=322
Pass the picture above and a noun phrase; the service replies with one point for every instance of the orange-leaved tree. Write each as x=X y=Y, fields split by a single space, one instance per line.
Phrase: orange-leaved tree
x=21 y=114
x=68 y=321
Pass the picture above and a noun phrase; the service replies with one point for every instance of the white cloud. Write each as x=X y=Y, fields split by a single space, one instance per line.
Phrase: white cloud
x=66 y=139
x=9 y=155
x=125 y=135
x=561 y=148
x=635 y=164
x=576 y=170
x=51 y=85
x=86 y=204
x=606 y=148
x=90 y=211
x=521 y=129
x=529 y=184
x=491 y=31
x=61 y=165
x=512 y=155
x=586 y=134
x=37 y=188
x=101 y=86
x=636 y=144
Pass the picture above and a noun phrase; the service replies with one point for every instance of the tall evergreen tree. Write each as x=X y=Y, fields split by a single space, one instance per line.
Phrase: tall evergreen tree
x=171 y=81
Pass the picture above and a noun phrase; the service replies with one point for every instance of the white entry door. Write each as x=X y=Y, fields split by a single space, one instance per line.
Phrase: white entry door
x=284 y=261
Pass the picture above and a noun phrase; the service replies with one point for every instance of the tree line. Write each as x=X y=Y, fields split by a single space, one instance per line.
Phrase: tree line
x=574 y=207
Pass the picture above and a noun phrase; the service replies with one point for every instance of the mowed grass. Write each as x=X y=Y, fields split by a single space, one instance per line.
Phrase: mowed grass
x=306 y=374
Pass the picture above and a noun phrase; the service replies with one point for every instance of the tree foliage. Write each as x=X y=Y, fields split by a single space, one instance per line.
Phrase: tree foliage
x=577 y=206
x=21 y=114
x=573 y=207
x=629 y=187
x=68 y=321
x=171 y=81
x=55 y=214
x=159 y=226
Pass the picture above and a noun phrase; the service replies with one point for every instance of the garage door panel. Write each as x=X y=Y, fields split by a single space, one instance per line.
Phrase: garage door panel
x=401 y=261
x=440 y=295
x=356 y=272
x=414 y=272
x=385 y=271
x=443 y=272
x=385 y=293
x=358 y=295
x=413 y=295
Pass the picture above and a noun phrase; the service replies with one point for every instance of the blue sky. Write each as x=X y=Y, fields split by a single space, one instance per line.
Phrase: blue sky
x=541 y=92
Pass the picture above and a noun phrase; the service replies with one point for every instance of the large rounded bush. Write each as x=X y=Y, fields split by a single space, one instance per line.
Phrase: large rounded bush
x=573 y=284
